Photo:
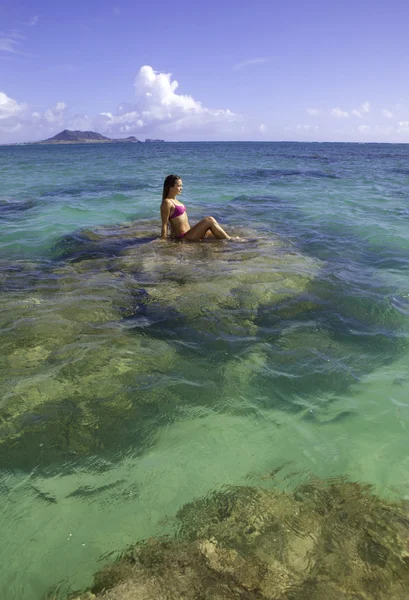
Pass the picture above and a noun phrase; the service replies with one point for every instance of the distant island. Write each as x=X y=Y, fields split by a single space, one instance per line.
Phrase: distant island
x=84 y=137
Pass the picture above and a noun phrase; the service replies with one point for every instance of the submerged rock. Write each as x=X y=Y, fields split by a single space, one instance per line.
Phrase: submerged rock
x=87 y=343
x=84 y=397
x=73 y=378
x=220 y=288
x=115 y=323
x=102 y=241
x=321 y=542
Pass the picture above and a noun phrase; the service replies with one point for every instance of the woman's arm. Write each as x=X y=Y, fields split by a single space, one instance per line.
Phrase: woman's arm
x=164 y=213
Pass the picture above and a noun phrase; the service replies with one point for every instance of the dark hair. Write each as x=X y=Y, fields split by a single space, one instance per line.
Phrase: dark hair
x=169 y=183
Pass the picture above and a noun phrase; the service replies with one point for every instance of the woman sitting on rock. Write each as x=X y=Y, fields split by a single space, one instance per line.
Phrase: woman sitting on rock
x=174 y=213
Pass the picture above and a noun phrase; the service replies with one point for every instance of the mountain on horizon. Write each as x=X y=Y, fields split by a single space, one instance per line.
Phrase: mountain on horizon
x=85 y=136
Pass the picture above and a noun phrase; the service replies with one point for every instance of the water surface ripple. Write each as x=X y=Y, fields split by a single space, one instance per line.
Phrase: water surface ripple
x=138 y=375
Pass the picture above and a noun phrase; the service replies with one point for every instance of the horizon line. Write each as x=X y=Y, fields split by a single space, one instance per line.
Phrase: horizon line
x=44 y=143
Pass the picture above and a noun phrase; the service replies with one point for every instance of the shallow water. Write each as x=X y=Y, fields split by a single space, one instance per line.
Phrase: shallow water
x=137 y=375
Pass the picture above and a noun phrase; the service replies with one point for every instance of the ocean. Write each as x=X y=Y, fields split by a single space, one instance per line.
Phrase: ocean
x=138 y=374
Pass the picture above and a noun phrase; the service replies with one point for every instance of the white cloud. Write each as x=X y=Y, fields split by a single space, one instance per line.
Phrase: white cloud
x=156 y=94
x=249 y=63
x=403 y=127
x=387 y=113
x=262 y=128
x=9 y=108
x=7 y=44
x=307 y=127
x=391 y=133
x=364 y=128
x=81 y=122
x=313 y=111
x=339 y=114
x=361 y=110
x=158 y=110
x=159 y=107
x=56 y=115
x=10 y=42
x=20 y=118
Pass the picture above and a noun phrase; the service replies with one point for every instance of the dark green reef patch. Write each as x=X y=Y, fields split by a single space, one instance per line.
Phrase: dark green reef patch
x=12 y=208
x=331 y=540
x=108 y=342
x=94 y=187
x=272 y=174
x=88 y=244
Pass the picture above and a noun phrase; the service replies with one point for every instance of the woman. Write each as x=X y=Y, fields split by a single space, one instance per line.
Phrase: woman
x=174 y=213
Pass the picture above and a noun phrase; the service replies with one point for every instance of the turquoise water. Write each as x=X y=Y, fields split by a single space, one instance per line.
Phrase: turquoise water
x=137 y=374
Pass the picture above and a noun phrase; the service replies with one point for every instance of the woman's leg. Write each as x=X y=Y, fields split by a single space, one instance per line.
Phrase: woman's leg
x=198 y=231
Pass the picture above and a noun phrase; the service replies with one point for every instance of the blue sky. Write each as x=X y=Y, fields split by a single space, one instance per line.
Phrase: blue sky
x=261 y=70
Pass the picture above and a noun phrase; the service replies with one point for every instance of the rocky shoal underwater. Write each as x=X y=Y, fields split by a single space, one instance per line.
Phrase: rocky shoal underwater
x=331 y=540
x=91 y=337
x=95 y=344
x=96 y=341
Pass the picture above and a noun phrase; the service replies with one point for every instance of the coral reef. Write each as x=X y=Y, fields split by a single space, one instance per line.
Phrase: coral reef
x=84 y=338
x=324 y=541
x=93 y=338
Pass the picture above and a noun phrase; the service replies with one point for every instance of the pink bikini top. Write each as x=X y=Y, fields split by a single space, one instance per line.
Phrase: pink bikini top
x=179 y=210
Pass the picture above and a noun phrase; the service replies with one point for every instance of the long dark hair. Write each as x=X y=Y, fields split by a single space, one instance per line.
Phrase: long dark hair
x=169 y=183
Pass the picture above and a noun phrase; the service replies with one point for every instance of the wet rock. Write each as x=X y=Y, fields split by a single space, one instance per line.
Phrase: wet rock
x=101 y=241
x=85 y=405
x=101 y=335
x=333 y=541
x=220 y=287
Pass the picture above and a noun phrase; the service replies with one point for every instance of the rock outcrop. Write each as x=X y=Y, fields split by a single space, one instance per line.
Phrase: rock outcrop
x=321 y=542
